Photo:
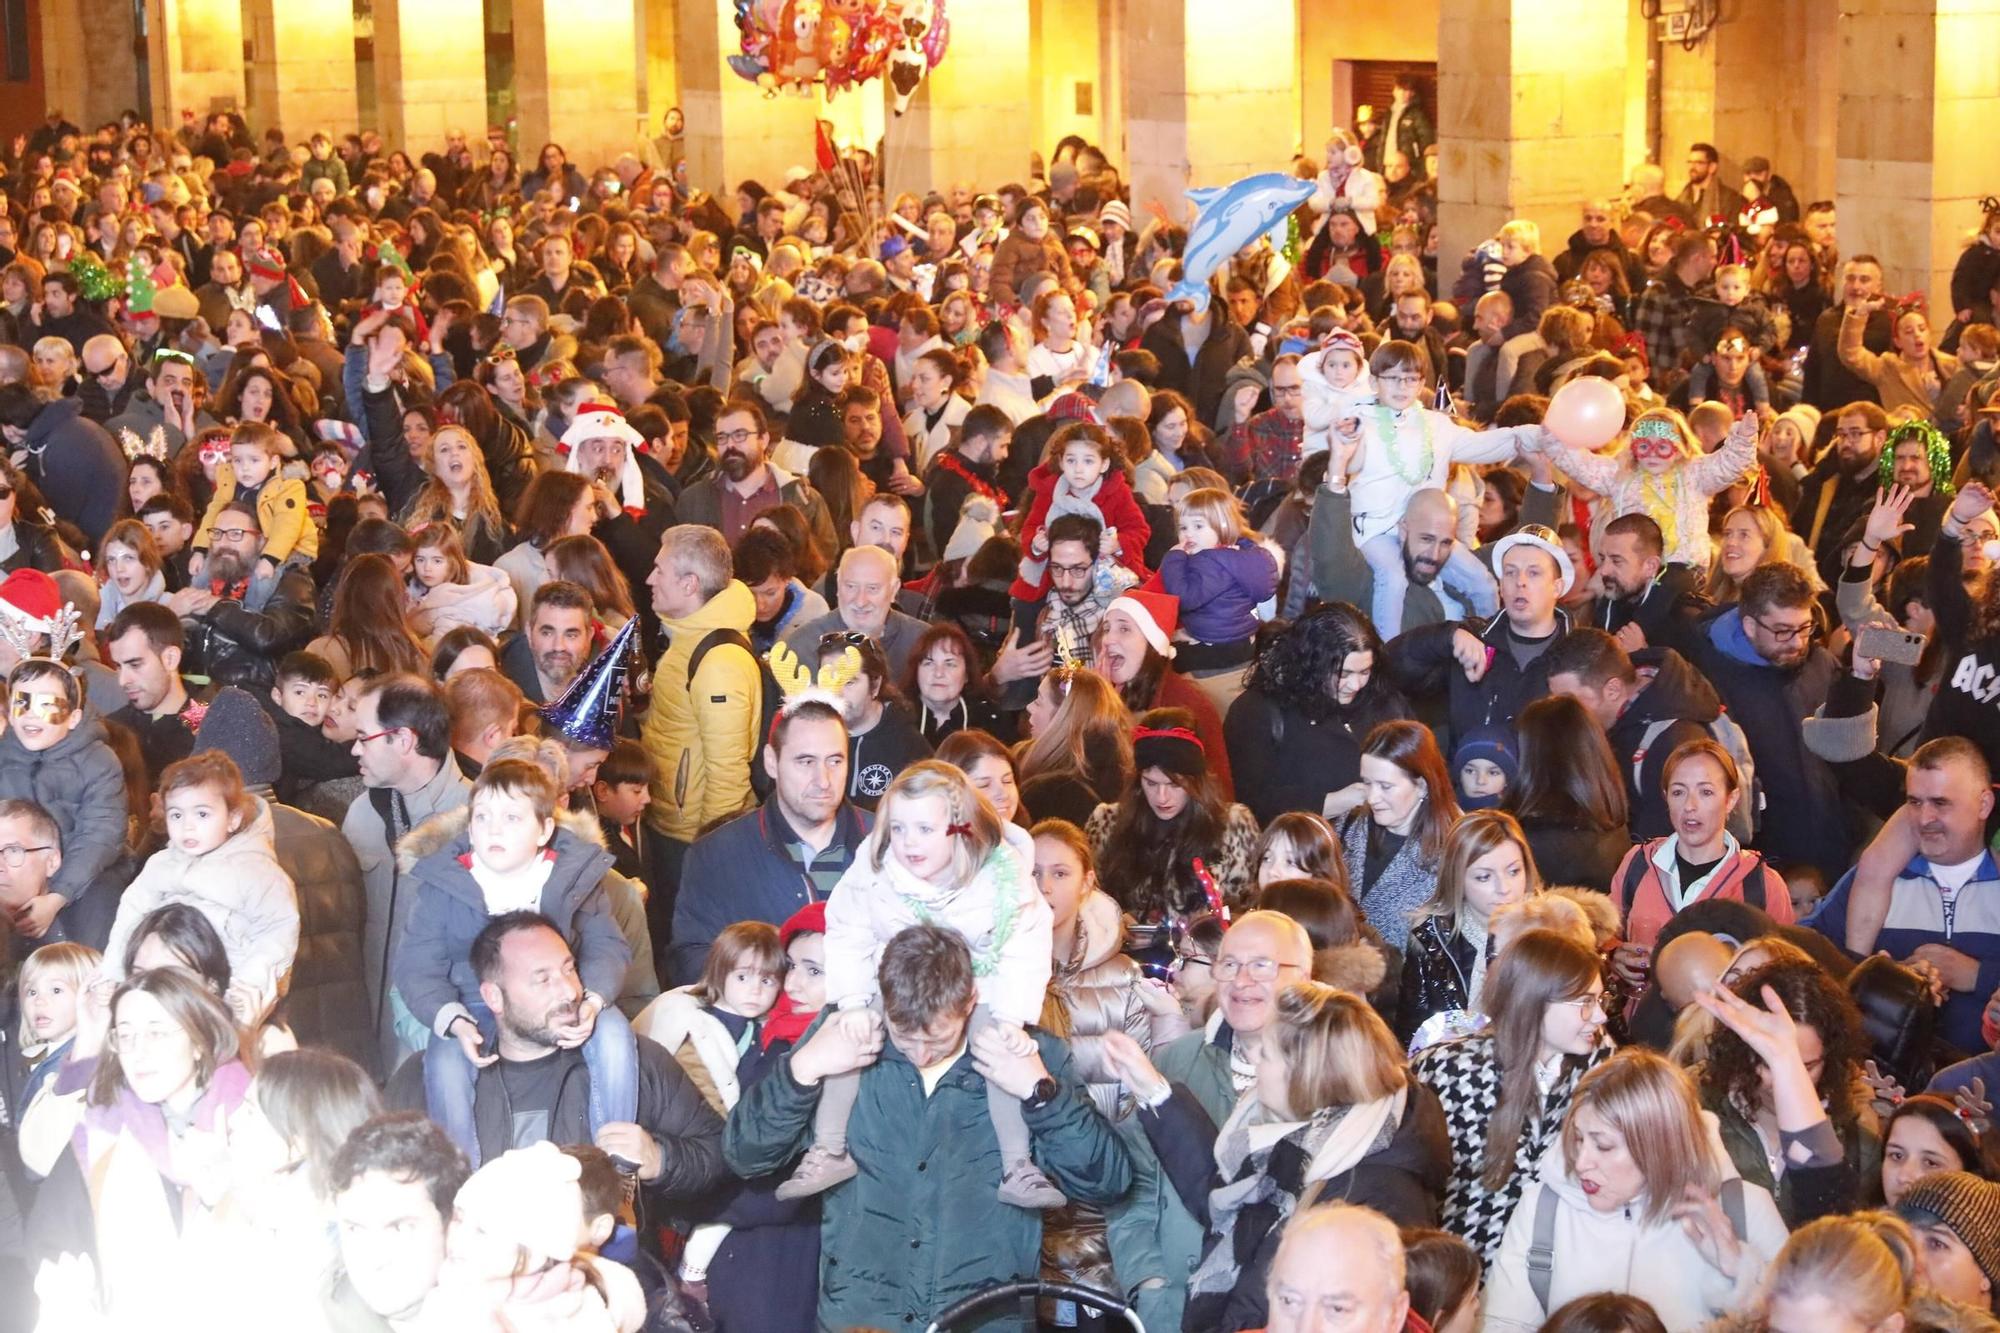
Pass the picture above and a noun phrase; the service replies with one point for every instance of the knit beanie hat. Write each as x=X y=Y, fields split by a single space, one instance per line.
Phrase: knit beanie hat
x=1157 y=614
x=808 y=920
x=237 y=725
x=1115 y=211
x=978 y=520
x=1805 y=418
x=1246 y=371
x=1841 y=740
x=532 y=1197
x=1966 y=1205
x=1496 y=744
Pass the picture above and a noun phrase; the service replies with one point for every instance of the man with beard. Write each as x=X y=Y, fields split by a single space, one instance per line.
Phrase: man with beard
x=145 y=644
x=1429 y=529
x=1645 y=601
x=1411 y=317
x=1598 y=232
x=1761 y=657
x=1705 y=195
x=1841 y=489
x=604 y=447
x=746 y=483
x=538 y=1090
x=544 y=658
x=239 y=620
x=867 y=584
x=1827 y=381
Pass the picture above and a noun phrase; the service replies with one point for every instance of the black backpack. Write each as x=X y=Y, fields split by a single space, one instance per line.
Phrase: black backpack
x=719 y=638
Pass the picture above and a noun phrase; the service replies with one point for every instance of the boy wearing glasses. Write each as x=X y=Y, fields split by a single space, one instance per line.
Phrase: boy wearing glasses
x=1387 y=453
x=54 y=754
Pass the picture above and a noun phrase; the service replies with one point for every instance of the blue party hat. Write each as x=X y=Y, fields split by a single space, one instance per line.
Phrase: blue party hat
x=587 y=714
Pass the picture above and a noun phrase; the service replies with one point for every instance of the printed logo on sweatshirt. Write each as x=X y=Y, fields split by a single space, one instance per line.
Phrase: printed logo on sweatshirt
x=1977 y=679
x=873 y=779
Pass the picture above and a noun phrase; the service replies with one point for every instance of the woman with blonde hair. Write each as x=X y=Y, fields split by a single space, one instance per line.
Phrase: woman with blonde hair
x=459 y=489
x=1753 y=535
x=1333 y=1114
x=1079 y=752
x=1486 y=866
x=1640 y=1200
x=1855 y=1274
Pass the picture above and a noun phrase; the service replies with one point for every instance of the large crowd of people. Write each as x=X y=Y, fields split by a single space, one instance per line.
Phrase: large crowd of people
x=581 y=752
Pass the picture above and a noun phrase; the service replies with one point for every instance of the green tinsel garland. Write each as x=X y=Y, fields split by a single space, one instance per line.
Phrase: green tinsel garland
x=1937 y=450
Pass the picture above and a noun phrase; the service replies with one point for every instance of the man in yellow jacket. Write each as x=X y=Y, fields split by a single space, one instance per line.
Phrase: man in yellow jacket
x=702 y=728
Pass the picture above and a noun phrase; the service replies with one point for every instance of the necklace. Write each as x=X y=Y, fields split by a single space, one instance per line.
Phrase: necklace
x=1661 y=499
x=1385 y=425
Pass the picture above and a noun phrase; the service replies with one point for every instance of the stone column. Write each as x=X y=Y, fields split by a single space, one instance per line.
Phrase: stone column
x=194 y=53
x=301 y=75
x=90 y=60
x=575 y=79
x=734 y=132
x=1915 y=148
x=1531 y=116
x=972 y=118
x=430 y=72
x=1211 y=94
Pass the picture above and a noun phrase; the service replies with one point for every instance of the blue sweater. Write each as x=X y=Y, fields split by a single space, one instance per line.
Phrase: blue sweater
x=1917 y=916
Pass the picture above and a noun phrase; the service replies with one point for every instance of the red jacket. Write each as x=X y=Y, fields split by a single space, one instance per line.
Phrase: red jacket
x=1114 y=500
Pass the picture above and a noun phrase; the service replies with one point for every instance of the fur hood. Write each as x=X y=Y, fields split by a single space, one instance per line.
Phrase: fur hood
x=1927 y=1312
x=436 y=833
x=1358 y=967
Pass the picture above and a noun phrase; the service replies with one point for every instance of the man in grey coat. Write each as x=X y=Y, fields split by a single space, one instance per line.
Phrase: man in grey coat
x=403 y=742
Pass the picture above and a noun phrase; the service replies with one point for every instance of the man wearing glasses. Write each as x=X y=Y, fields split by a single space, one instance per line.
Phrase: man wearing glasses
x=241 y=622
x=1269 y=445
x=402 y=743
x=1763 y=660
x=30 y=854
x=166 y=401
x=108 y=382
x=1841 y=489
x=746 y=483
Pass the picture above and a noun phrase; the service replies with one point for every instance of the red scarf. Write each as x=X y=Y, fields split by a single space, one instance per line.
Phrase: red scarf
x=232 y=592
x=787 y=1022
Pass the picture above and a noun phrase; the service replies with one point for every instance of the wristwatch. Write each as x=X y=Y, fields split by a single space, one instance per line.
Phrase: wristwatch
x=1044 y=1093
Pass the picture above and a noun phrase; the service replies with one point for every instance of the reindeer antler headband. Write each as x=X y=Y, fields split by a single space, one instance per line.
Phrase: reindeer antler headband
x=20 y=630
x=801 y=684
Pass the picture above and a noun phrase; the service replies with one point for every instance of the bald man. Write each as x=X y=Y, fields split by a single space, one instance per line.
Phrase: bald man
x=1683 y=967
x=108 y=380
x=867 y=585
x=1338 y=1267
x=1429 y=529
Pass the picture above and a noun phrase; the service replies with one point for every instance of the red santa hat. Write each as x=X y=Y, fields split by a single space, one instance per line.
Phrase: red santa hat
x=1157 y=614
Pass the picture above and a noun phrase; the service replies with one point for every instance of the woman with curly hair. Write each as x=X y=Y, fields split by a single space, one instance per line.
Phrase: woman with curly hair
x=1294 y=734
x=458 y=491
x=1739 y=1084
x=1173 y=846
x=258 y=393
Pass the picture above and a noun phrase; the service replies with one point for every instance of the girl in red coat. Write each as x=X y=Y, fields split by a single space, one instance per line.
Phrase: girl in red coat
x=1080 y=473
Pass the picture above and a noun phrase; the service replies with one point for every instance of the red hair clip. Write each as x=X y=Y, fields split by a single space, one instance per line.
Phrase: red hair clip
x=958 y=830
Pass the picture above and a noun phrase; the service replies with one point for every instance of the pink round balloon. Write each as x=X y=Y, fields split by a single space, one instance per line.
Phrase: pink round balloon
x=1586 y=413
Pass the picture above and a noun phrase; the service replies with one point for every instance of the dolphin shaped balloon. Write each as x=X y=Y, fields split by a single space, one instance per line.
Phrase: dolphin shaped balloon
x=1231 y=217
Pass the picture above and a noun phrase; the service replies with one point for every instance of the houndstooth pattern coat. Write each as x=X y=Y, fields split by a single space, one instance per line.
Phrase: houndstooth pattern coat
x=1465 y=1075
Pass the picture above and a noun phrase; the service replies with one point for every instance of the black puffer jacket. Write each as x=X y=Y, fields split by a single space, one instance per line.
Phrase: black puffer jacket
x=1437 y=974
x=240 y=642
x=328 y=1001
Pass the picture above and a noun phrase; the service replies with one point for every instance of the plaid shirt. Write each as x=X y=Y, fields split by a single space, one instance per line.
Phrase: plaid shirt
x=1266 y=447
x=1663 y=319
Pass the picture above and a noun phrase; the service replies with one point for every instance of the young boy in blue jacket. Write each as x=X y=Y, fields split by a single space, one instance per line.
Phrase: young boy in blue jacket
x=510 y=851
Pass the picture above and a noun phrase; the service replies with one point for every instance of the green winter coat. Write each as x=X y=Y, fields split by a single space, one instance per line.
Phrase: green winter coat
x=922 y=1226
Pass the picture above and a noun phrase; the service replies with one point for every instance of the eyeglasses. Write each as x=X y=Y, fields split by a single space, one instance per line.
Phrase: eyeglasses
x=501 y=353
x=1257 y=969
x=731 y=438
x=378 y=735
x=14 y=854
x=1852 y=434
x=105 y=373
x=234 y=534
x=1398 y=379
x=1071 y=571
x=1648 y=447
x=1182 y=960
x=1586 y=1004
x=1788 y=633
x=1287 y=390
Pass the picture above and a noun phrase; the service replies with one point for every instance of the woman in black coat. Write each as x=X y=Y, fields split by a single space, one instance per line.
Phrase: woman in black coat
x=1294 y=734
x=1571 y=798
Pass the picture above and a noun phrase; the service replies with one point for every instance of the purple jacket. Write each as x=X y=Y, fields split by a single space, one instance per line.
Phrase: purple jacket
x=1221 y=589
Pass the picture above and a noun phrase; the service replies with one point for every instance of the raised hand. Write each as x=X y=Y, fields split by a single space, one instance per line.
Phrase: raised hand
x=1885 y=520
